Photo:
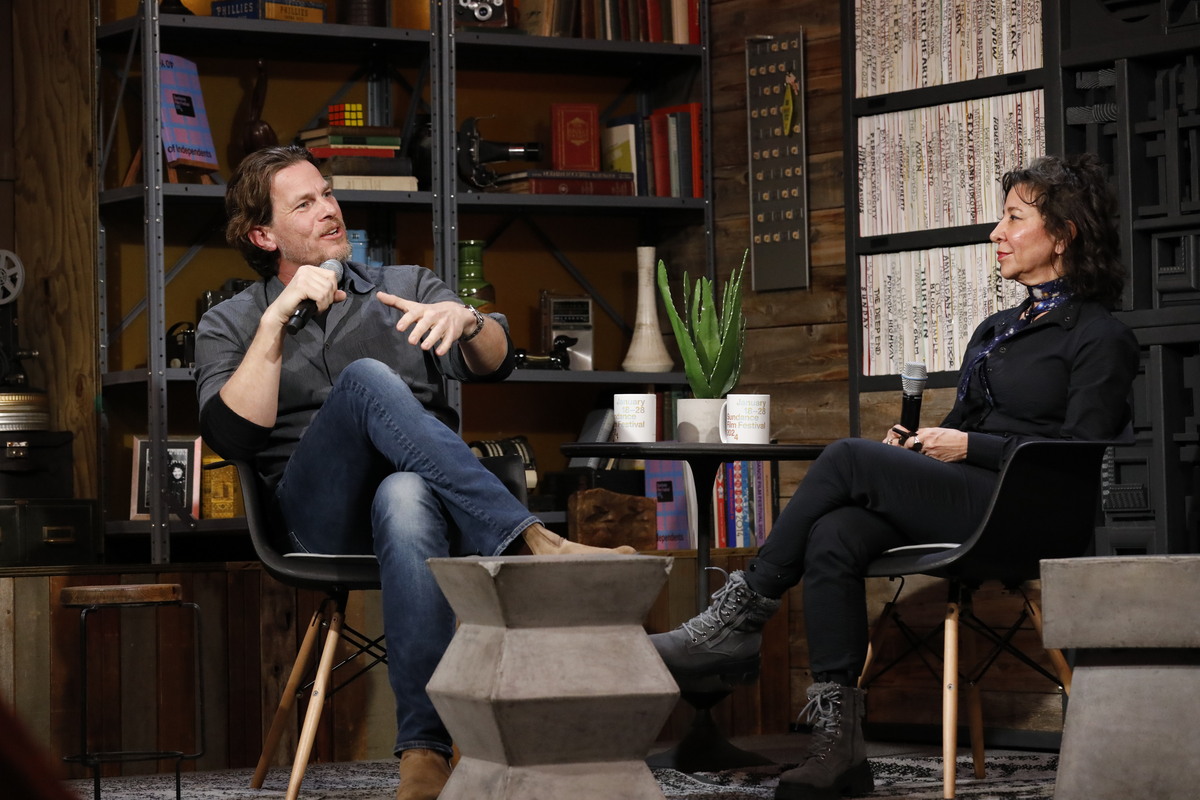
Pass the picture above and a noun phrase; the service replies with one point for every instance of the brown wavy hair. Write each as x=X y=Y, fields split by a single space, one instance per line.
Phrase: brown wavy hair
x=248 y=201
x=1078 y=207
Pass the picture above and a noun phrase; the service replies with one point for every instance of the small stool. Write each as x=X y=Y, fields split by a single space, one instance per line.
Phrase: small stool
x=94 y=598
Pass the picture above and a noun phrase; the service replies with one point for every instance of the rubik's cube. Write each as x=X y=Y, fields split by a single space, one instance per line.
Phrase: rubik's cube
x=346 y=114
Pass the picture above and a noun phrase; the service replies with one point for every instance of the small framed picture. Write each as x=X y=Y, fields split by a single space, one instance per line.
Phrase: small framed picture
x=181 y=473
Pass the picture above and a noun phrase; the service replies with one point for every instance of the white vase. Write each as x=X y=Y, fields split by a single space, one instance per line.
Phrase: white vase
x=647 y=352
x=698 y=419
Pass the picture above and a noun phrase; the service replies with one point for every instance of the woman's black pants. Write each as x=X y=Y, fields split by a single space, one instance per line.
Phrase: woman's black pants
x=858 y=499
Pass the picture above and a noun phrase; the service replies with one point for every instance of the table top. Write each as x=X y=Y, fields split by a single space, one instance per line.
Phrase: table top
x=686 y=451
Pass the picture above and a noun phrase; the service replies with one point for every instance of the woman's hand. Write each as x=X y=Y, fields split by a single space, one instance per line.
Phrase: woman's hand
x=944 y=444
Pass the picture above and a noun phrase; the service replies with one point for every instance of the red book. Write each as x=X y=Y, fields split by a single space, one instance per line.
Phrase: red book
x=352 y=150
x=693 y=13
x=612 y=188
x=575 y=135
x=659 y=132
x=654 y=21
x=660 y=150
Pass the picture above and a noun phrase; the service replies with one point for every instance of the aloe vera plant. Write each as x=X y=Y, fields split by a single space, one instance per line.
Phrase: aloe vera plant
x=710 y=339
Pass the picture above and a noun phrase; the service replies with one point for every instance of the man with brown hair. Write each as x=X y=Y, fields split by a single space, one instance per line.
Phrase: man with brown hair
x=348 y=422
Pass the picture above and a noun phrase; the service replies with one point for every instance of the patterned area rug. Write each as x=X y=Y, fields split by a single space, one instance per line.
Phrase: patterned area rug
x=1018 y=777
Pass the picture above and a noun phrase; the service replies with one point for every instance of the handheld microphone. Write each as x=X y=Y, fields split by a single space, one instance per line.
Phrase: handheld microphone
x=912 y=384
x=307 y=308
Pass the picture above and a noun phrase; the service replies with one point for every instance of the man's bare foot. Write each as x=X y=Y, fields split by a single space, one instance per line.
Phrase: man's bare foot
x=543 y=542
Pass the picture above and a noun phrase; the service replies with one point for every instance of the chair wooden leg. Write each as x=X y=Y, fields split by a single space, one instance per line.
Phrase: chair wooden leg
x=1061 y=668
x=876 y=636
x=287 y=701
x=968 y=654
x=975 y=718
x=316 y=701
x=950 y=699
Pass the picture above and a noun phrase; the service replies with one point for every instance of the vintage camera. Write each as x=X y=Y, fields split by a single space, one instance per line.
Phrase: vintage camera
x=474 y=153
x=481 y=13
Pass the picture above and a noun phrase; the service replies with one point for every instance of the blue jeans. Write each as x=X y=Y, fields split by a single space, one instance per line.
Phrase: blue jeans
x=376 y=473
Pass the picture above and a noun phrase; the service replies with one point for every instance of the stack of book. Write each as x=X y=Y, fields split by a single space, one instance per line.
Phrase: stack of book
x=663 y=150
x=744 y=504
x=567 y=181
x=361 y=157
x=287 y=10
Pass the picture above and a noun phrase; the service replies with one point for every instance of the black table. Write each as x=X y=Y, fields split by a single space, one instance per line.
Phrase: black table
x=704 y=747
x=705 y=460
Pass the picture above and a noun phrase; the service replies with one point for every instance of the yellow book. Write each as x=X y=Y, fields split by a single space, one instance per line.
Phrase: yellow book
x=377 y=183
x=293 y=13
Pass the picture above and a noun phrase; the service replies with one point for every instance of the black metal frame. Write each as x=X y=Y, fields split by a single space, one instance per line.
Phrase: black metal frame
x=93 y=759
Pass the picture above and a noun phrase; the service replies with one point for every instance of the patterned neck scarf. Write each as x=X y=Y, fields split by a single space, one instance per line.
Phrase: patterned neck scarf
x=1044 y=297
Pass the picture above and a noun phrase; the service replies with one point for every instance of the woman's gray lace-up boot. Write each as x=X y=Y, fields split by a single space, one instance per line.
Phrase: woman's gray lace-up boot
x=721 y=642
x=836 y=764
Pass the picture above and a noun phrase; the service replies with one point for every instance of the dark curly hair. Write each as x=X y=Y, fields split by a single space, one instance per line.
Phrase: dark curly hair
x=1078 y=207
x=248 y=201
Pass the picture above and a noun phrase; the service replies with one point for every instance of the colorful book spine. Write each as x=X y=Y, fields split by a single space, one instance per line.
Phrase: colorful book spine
x=945 y=43
x=762 y=501
x=720 y=520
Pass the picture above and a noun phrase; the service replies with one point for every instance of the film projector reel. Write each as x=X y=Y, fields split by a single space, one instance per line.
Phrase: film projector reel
x=21 y=408
x=12 y=276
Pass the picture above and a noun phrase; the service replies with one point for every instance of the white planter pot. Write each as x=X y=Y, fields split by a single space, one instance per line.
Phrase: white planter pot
x=698 y=419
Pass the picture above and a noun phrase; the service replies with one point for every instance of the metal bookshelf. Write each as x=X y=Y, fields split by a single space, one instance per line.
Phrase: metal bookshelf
x=129 y=48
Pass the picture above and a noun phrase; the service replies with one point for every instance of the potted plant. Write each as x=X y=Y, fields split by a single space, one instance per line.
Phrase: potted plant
x=711 y=339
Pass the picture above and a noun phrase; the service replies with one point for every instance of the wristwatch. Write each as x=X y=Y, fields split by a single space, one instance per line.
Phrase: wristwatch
x=479 y=320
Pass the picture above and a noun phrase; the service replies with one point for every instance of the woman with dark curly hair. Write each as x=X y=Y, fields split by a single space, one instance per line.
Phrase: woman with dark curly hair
x=1058 y=366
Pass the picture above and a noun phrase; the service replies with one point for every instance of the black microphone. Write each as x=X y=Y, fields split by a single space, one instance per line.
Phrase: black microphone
x=912 y=384
x=308 y=308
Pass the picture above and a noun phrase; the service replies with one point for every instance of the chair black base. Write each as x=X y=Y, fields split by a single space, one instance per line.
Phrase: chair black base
x=704 y=748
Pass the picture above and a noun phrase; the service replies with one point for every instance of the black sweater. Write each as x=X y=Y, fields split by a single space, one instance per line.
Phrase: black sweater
x=1067 y=376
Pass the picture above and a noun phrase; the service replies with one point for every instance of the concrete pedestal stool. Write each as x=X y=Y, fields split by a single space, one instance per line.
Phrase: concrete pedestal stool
x=1134 y=714
x=551 y=687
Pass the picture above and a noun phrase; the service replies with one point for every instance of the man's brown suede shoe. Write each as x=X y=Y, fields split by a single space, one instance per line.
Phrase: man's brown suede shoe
x=423 y=773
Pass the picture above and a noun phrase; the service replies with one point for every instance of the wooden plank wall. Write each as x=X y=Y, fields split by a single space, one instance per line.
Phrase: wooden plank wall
x=141 y=675
x=797 y=349
x=55 y=210
x=7 y=151
x=796 y=346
